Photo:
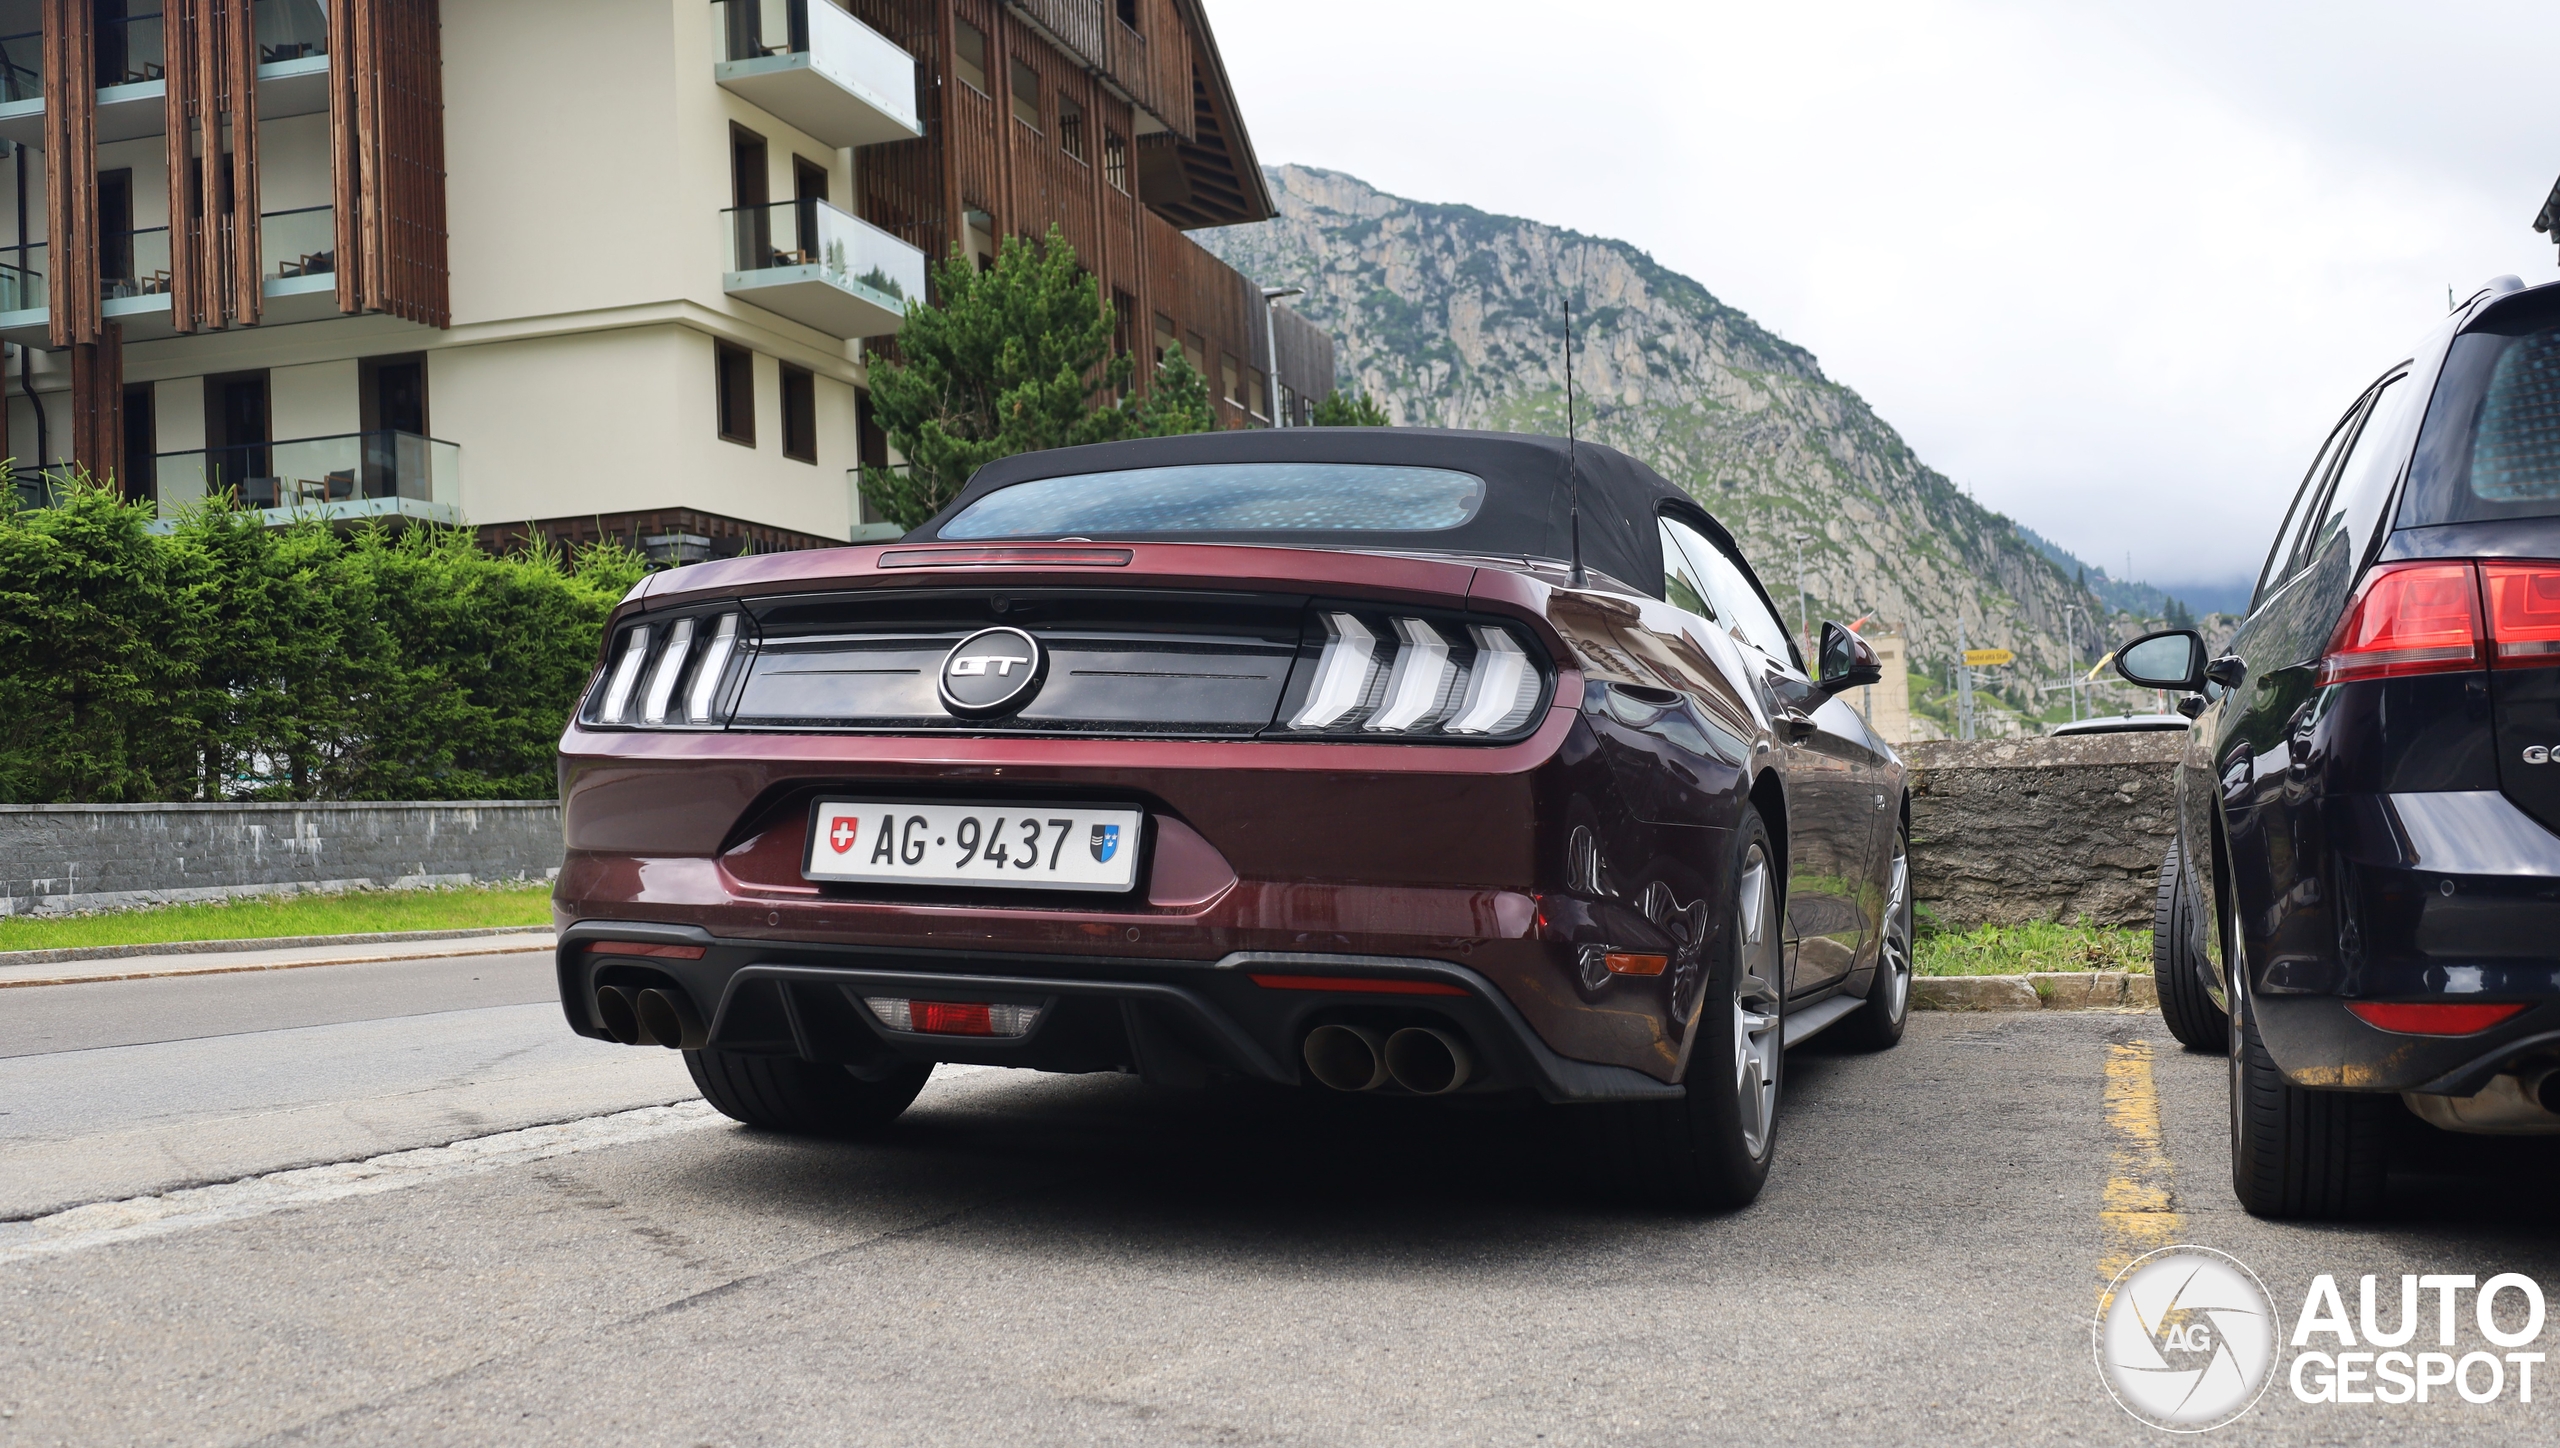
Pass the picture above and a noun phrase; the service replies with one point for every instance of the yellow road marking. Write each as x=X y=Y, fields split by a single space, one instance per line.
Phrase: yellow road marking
x=2139 y=1211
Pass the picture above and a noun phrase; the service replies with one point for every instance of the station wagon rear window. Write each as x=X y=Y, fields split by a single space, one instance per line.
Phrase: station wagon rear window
x=1226 y=498
x=2491 y=445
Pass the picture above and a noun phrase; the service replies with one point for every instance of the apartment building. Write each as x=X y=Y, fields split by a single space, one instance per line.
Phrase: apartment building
x=579 y=268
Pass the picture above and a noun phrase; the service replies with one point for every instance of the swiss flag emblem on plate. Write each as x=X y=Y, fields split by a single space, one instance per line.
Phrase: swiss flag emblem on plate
x=843 y=833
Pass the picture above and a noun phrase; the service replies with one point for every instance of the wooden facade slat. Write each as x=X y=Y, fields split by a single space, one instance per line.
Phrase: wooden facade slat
x=386 y=116
x=71 y=169
x=976 y=156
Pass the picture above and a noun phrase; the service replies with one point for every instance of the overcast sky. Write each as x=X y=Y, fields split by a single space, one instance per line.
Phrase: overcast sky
x=2112 y=267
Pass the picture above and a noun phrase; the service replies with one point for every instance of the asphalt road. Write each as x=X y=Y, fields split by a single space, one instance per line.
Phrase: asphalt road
x=1041 y=1260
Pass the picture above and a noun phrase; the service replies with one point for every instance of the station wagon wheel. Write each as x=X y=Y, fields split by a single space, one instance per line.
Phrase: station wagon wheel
x=1759 y=1004
x=1878 y=1024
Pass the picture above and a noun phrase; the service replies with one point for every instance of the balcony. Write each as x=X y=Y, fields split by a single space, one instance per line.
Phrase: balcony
x=813 y=66
x=301 y=284
x=346 y=478
x=132 y=75
x=822 y=268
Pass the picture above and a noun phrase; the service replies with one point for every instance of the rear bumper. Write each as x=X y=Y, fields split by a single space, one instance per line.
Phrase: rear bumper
x=2443 y=897
x=1173 y=1023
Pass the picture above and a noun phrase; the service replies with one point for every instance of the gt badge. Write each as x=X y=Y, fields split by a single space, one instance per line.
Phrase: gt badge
x=1106 y=843
x=993 y=671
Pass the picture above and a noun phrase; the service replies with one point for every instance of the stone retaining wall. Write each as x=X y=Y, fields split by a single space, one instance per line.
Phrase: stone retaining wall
x=2008 y=831
x=60 y=857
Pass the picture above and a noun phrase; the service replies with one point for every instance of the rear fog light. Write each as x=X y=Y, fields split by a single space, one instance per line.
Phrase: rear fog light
x=2432 y=1018
x=952 y=1018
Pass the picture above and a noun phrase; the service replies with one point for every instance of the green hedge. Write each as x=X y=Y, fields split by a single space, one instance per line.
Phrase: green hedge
x=230 y=660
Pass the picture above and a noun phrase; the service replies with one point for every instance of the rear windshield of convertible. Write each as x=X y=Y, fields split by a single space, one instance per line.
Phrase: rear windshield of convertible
x=1286 y=497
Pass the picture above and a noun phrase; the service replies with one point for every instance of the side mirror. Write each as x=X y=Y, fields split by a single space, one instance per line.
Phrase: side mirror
x=1847 y=661
x=2172 y=659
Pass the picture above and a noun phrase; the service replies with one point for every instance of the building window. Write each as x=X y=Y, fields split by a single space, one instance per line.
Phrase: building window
x=1167 y=345
x=1115 y=160
x=1233 y=377
x=1124 y=322
x=971 y=62
x=1128 y=12
x=1254 y=401
x=799 y=414
x=1026 y=94
x=1070 y=128
x=736 y=369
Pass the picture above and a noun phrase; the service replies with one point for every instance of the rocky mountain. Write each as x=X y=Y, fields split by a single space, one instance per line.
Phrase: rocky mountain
x=1450 y=318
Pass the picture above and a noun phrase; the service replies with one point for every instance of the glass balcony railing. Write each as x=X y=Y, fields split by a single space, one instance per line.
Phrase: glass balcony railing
x=290 y=29
x=299 y=243
x=130 y=50
x=133 y=263
x=846 y=250
x=22 y=67
x=815 y=66
x=313 y=472
x=22 y=278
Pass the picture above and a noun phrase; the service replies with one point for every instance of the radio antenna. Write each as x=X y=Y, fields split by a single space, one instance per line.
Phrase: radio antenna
x=1572 y=460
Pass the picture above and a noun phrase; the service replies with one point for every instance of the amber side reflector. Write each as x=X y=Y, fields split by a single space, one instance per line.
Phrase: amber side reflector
x=643 y=948
x=1624 y=962
x=2432 y=1018
x=1363 y=984
x=1006 y=557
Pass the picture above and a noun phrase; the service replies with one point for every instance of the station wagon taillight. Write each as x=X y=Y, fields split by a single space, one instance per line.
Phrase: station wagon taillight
x=2427 y=618
x=2413 y=618
x=2524 y=612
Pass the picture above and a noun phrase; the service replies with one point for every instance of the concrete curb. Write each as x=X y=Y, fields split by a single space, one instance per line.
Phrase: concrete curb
x=2061 y=990
x=282 y=942
x=258 y=957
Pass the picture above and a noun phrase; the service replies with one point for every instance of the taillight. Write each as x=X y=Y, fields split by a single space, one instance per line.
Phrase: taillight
x=669 y=674
x=2433 y=1018
x=2417 y=618
x=1410 y=676
x=2524 y=612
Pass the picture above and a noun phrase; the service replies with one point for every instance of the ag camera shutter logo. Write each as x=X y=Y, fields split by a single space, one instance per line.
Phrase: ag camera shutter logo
x=2186 y=1339
x=993 y=671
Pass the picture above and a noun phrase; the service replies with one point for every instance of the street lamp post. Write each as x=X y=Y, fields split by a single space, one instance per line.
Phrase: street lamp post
x=1271 y=350
x=1804 y=608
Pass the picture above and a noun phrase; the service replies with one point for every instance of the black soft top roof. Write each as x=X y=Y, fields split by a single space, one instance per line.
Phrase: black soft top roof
x=1526 y=512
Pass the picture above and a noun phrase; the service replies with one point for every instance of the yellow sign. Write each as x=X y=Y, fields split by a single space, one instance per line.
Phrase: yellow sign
x=1987 y=658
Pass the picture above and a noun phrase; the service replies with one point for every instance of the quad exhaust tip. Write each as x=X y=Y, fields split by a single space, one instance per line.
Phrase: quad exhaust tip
x=1427 y=1062
x=668 y=1017
x=651 y=1017
x=1346 y=1058
x=618 y=1011
x=1419 y=1059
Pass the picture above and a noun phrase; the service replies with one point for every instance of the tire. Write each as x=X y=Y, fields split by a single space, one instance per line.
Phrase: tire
x=2317 y=1155
x=1712 y=1148
x=1877 y=1025
x=2177 y=968
x=785 y=1093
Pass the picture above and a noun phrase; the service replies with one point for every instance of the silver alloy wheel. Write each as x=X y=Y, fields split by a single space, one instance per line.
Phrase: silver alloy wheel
x=1895 y=956
x=1758 y=1005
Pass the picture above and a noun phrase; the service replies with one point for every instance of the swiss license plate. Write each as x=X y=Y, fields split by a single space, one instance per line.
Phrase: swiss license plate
x=1012 y=846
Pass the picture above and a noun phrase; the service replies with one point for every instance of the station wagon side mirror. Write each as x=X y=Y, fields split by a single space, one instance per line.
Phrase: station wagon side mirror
x=1846 y=662
x=2171 y=659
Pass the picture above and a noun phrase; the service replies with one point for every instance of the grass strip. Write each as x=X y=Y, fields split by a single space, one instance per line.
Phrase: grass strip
x=2022 y=949
x=269 y=917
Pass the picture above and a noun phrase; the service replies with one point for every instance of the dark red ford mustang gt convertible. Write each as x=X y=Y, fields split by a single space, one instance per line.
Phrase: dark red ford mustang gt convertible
x=1373 y=760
